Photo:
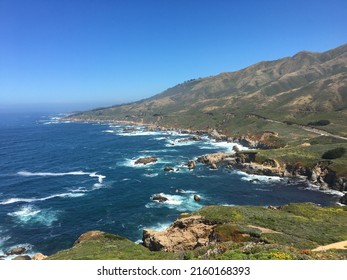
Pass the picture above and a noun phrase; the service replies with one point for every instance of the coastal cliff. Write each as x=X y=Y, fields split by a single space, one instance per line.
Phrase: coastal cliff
x=294 y=231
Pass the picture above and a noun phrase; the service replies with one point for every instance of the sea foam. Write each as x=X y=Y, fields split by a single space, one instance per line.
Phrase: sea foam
x=31 y=214
x=180 y=202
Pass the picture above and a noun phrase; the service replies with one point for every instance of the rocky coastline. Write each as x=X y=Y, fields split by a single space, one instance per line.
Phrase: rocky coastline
x=319 y=175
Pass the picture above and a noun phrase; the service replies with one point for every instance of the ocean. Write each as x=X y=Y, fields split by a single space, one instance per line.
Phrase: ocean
x=60 y=179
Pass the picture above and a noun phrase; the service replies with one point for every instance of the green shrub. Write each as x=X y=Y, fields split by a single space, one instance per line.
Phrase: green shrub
x=319 y=123
x=334 y=153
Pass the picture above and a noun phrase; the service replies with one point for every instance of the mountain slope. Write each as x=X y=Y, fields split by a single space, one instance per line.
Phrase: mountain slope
x=304 y=88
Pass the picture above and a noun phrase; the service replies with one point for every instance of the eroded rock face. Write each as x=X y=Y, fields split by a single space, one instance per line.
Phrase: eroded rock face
x=185 y=234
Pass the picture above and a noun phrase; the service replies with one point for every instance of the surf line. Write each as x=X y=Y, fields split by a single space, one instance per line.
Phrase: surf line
x=74 y=173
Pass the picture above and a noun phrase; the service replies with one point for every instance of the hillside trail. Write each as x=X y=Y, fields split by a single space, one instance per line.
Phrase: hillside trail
x=308 y=128
x=338 y=245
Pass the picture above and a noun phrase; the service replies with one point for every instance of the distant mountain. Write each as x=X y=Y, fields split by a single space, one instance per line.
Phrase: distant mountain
x=306 y=88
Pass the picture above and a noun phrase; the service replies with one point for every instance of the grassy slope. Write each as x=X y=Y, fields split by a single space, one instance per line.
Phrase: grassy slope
x=109 y=247
x=308 y=156
x=299 y=228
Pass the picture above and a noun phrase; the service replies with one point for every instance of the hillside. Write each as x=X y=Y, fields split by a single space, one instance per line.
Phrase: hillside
x=305 y=88
x=297 y=102
x=294 y=231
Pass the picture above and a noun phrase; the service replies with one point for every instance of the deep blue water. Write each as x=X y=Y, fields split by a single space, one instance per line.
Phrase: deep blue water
x=59 y=180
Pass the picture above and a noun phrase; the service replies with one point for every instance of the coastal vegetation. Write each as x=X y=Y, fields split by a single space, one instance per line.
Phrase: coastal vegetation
x=236 y=232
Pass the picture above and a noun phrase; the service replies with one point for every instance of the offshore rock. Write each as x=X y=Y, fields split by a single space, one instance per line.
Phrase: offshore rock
x=17 y=251
x=168 y=168
x=184 y=234
x=146 y=160
x=197 y=197
x=159 y=198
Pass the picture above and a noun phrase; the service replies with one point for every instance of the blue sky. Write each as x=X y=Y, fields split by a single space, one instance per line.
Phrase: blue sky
x=103 y=52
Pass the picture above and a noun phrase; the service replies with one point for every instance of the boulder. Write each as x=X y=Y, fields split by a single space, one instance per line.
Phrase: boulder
x=39 y=257
x=146 y=160
x=191 y=164
x=169 y=168
x=22 y=258
x=213 y=166
x=159 y=198
x=197 y=197
x=343 y=199
x=17 y=251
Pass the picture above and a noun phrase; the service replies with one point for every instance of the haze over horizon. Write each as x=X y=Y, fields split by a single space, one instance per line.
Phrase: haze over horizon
x=97 y=53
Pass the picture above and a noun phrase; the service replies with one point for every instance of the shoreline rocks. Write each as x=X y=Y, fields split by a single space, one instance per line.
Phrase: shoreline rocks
x=320 y=174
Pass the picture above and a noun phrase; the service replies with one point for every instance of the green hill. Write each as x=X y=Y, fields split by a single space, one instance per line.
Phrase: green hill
x=305 y=88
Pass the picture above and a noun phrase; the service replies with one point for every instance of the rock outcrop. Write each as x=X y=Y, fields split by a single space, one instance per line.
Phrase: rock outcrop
x=320 y=174
x=17 y=251
x=184 y=234
x=146 y=160
x=168 y=168
x=39 y=257
x=159 y=198
x=94 y=234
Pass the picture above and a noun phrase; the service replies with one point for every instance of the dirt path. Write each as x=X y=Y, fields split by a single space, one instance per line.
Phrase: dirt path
x=338 y=245
x=264 y=230
x=305 y=127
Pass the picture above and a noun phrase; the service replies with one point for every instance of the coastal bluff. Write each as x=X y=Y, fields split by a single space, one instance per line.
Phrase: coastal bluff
x=290 y=231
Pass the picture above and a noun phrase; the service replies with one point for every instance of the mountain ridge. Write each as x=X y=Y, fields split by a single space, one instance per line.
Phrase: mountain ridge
x=305 y=85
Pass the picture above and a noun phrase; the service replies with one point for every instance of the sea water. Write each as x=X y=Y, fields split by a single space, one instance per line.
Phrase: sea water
x=61 y=179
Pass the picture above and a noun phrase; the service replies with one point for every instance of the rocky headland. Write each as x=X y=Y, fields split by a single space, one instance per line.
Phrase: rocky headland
x=293 y=231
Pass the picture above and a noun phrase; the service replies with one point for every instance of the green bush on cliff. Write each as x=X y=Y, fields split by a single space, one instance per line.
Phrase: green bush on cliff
x=334 y=153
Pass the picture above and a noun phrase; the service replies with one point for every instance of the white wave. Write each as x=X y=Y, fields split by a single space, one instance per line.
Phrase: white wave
x=225 y=146
x=184 y=191
x=28 y=200
x=97 y=186
x=314 y=187
x=180 y=202
x=109 y=131
x=72 y=173
x=258 y=178
x=151 y=175
x=161 y=138
x=100 y=177
x=31 y=214
x=160 y=226
x=176 y=142
x=140 y=133
x=78 y=190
